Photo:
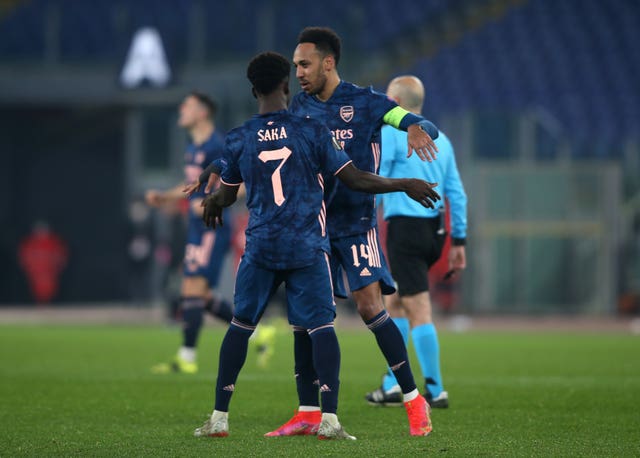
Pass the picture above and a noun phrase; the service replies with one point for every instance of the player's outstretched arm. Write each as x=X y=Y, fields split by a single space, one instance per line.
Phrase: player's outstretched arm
x=419 y=190
x=216 y=202
x=421 y=133
x=155 y=198
x=210 y=175
x=211 y=182
x=191 y=188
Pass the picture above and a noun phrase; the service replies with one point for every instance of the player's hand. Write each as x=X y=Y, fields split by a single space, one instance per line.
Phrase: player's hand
x=421 y=142
x=212 y=214
x=189 y=189
x=154 y=198
x=422 y=191
x=211 y=184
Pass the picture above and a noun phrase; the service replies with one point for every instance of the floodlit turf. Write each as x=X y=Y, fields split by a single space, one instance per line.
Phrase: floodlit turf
x=87 y=391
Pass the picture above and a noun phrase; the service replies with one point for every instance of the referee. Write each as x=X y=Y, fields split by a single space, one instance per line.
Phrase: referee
x=415 y=239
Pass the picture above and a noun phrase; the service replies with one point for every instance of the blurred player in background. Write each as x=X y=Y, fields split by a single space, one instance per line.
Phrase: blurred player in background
x=355 y=116
x=205 y=249
x=415 y=239
x=282 y=158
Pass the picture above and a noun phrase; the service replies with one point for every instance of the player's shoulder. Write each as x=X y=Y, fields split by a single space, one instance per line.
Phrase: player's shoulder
x=299 y=99
x=363 y=98
x=236 y=137
x=353 y=89
x=349 y=91
x=236 y=131
x=305 y=123
x=311 y=123
x=346 y=86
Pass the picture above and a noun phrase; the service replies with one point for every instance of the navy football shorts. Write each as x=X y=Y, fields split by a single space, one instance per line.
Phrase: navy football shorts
x=360 y=257
x=308 y=289
x=205 y=251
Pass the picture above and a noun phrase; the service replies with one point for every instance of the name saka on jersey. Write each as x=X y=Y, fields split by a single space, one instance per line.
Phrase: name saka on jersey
x=276 y=133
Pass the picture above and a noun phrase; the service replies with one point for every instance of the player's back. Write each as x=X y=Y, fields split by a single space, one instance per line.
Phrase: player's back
x=280 y=158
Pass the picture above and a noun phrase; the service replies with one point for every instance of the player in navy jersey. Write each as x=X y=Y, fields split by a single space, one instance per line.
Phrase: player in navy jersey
x=282 y=159
x=205 y=249
x=355 y=116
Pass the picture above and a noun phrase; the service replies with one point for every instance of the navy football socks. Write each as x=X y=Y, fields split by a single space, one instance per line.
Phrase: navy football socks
x=306 y=377
x=326 y=360
x=192 y=317
x=233 y=353
x=393 y=348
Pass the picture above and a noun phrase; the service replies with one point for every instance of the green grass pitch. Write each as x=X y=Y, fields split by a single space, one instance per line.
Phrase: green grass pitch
x=87 y=391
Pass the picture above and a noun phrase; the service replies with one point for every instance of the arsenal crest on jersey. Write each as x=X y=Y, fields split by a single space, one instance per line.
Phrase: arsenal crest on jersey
x=346 y=113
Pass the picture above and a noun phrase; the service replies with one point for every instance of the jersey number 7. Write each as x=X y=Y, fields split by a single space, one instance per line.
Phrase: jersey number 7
x=276 y=181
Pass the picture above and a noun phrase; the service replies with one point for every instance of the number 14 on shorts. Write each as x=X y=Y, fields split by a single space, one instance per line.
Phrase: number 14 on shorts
x=363 y=254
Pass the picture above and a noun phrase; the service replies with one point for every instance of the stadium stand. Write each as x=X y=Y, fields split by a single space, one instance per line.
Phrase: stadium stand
x=575 y=59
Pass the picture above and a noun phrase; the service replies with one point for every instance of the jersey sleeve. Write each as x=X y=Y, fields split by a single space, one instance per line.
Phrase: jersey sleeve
x=332 y=156
x=231 y=166
x=216 y=167
x=379 y=104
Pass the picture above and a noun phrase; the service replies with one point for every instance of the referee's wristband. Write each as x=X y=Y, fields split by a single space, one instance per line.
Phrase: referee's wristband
x=459 y=241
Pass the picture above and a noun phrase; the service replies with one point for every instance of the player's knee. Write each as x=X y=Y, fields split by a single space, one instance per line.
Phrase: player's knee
x=369 y=309
x=194 y=286
x=418 y=309
x=394 y=306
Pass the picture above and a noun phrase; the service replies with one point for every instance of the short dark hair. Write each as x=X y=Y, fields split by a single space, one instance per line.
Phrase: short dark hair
x=207 y=101
x=326 y=40
x=267 y=70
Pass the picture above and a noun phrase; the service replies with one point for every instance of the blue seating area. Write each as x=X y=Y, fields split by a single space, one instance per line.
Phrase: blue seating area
x=22 y=33
x=99 y=30
x=577 y=59
x=96 y=31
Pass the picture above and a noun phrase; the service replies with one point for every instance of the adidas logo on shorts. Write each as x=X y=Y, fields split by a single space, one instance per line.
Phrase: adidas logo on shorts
x=365 y=273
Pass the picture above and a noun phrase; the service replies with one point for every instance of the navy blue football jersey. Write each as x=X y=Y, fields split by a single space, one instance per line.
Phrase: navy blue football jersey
x=196 y=158
x=282 y=158
x=355 y=116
